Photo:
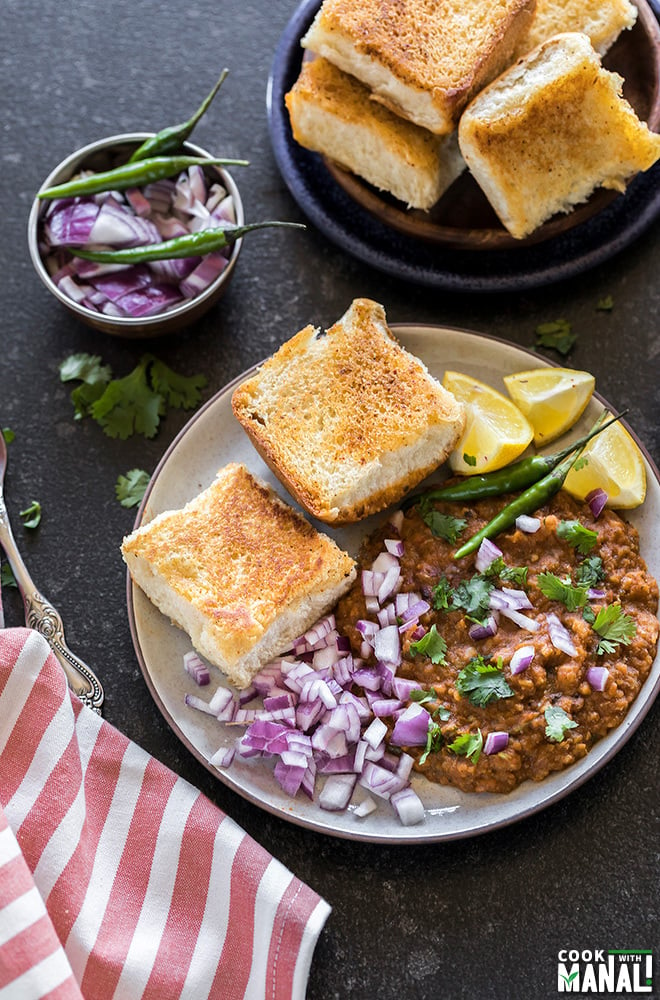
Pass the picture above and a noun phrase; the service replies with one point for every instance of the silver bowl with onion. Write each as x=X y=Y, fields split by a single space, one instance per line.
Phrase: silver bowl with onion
x=140 y=300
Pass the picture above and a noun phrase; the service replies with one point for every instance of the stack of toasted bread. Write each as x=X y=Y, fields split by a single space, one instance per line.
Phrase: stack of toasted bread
x=405 y=93
x=349 y=422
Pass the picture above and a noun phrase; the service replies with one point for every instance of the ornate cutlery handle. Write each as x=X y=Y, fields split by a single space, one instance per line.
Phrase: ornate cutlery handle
x=45 y=619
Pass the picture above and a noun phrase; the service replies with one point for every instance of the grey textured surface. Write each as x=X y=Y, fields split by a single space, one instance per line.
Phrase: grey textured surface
x=479 y=918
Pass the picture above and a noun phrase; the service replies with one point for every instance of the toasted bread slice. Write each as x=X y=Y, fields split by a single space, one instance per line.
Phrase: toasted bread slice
x=238 y=570
x=423 y=59
x=348 y=420
x=602 y=20
x=549 y=131
x=332 y=113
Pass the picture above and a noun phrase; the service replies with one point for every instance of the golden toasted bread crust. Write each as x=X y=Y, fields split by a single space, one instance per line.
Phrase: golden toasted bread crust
x=328 y=411
x=602 y=22
x=240 y=556
x=444 y=48
x=548 y=131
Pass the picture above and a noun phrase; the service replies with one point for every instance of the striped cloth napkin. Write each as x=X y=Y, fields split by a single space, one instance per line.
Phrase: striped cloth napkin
x=120 y=880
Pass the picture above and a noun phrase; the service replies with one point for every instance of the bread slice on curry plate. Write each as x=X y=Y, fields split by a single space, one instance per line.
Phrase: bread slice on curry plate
x=348 y=420
x=239 y=570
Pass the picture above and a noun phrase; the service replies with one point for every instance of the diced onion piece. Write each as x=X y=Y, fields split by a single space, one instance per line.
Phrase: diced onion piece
x=522 y=621
x=375 y=733
x=597 y=677
x=483 y=630
x=387 y=645
x=396 y=520
x=336 y=792
x=560 y=636
x=196 y=668
x=366 y=807
x=223 y=757
x=394 y=546
x=193 y=701
x=496 y=742
x=528 y=524
x=597 y=500
x=411 y=728
x=487 y=553
x=408 y=807
x=521 y=659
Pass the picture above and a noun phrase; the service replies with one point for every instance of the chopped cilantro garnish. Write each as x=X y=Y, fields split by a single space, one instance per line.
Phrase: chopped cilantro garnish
x=606 y=304
x=590 y=571
x=468 y=745
x=562 y=590
x=8 y=435
x=469 y=459
x=182 y=392
x=557 y=334
x=442 y=593
x=482 y=682
x=31 y=515
x=94 y=377
x=7 y=578
x=580 y=538
x=614 y=626
x=443 y=525
x=473 y=597
x=130 y=489
x=557 y=722
x=129 y=405
x=516 y=574
x=434 y=741
x=432 y=645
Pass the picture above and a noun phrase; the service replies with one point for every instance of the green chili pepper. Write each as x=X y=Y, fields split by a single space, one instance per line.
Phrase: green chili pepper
x=191 y=245
x=533 y=497
x=510 y=479
x=132 y=175
x=170 y=139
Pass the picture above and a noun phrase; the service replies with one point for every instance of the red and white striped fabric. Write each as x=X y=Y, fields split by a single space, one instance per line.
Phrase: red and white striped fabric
x=120 y=880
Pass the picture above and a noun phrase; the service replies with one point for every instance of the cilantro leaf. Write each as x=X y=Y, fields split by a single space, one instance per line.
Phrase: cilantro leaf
x=180 y=391
x=7 y=578
x=469 y=459
x=130 y=489
x=31 y=515
x=482 y=682
x=562 y=590
x=580 y=538
x=468 y=745
x=590 y=571
x=442 y=593
x=129 y=405
x=557 y=334
x=473 y=596
x=517 y=574
x=432 y=645
x=443 y=525
x=557 y=723
x=606 y=304
x=86 y=368
x=615 y=627
x=8 y=435
x=434 y=741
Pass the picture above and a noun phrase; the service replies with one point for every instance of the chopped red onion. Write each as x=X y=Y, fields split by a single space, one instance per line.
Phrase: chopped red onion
x=408 y=807
x=387 y=645
x=197 y=669
x=483 y=630
x=375 y=733
x=394 y=546
x=522 y=621
x=223 y=757
x=560 y=636
x=384 y=562
x=597 y=677
x=396 y=520
x=389 y=584
x=193 y=701
x=595 y=594
x=487 y=553
x=337 y=791
x=521 y=659
x=411 y=728
x=496 y=742
x=597 y=500
x=528 y=524
x=366 y=807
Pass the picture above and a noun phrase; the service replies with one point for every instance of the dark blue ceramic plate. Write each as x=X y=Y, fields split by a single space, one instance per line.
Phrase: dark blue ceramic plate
x=360 y=233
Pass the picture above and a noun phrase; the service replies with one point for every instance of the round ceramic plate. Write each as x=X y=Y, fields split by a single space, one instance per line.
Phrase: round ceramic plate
x=211 y=439
x=365 y=229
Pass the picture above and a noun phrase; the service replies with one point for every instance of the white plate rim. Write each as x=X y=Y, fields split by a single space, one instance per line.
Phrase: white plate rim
x=310 y=816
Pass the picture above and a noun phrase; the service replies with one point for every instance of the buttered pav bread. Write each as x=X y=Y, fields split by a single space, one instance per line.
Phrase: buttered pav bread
x=332 y=113
x=550 y=130
x=602 y=20
x=239 y=570
x=348 y=420
x=423 y=59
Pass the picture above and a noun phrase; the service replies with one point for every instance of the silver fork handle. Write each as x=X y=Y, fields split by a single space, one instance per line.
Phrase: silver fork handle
x=41 y=616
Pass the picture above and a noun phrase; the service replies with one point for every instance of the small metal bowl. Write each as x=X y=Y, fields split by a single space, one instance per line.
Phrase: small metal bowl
x=103 y=155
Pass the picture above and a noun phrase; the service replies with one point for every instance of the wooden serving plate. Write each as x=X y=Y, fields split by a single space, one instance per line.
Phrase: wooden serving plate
x=463 y=217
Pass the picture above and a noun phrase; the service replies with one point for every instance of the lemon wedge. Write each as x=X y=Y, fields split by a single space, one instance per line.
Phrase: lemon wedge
x=496 y=432
x=615 y=464
x=552 y=399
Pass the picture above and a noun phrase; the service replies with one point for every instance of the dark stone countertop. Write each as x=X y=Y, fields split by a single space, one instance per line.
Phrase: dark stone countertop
x=483 y=917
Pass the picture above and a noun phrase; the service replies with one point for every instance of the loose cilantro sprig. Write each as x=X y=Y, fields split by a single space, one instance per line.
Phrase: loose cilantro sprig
x=473 y=597
x=130 y=489
x=514 y=574
x=31 y=515
x=432 y=645
x=615 y=627
x=590 y=572
x=8 y=434
x=133 y=404
x=434 y=741
x=580 y=538
x=481 y=682
x=557 y=335
x=443 y=525
x=557 y=723
x=562 y=590
x=468 y=745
